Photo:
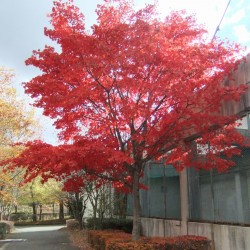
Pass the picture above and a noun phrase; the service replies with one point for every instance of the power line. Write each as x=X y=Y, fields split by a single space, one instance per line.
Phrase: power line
x=218 y=27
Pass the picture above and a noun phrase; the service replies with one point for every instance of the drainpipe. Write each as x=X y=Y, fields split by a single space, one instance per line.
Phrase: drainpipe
x=184 y=202
x=248 y=123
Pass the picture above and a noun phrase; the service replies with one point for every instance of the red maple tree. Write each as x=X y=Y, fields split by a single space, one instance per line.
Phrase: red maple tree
x=133 y=88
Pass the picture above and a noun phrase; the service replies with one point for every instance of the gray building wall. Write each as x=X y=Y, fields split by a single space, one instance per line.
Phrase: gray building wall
x=224 y=237
x=218 y=204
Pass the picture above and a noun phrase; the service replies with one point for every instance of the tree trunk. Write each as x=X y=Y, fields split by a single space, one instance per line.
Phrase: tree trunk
x=136 y=207
x=40 y=212
x=61 y=210
x=53 y=210
x=34 y=211
x=95 y=215
x=78 y=211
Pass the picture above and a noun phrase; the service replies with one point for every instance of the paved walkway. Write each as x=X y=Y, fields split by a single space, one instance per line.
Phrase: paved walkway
x=37 y=238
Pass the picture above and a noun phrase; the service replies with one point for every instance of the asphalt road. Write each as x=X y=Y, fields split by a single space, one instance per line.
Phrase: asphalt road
x=37 y=238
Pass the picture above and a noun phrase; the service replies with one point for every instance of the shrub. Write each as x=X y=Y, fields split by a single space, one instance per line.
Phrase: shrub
x=72 y=224
x=3 y=230
x=101 y=239
x=142 y=244
x=116 y=224
x=189 y=242
x=118 y=240
x=42 y=222
x=134 y=246
x=9 y=226
x=20 y=216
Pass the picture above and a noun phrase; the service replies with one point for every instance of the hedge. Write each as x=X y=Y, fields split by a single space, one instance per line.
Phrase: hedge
x=72 y=224
x=9 y=226
x=3 y=230
x=189 y=242
x=125 y=225
x=118 y=240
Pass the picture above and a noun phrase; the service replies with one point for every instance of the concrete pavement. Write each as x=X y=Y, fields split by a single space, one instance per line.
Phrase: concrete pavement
x=37 y=238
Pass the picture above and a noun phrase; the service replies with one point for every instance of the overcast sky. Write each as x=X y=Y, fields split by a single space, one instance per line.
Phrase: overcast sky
x=22 y=23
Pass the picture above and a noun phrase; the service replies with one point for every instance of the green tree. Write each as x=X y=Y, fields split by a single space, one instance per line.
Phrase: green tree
x=17 y=125
x=37 y=194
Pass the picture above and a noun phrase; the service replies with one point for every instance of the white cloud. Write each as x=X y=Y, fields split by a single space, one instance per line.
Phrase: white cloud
x=207 y=12
x=235 y=17
x=210 y=13
x=242 y=33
